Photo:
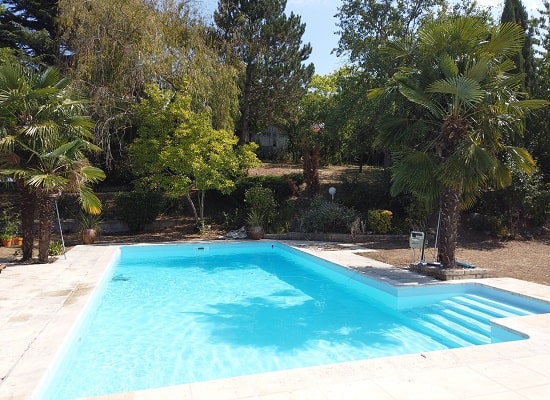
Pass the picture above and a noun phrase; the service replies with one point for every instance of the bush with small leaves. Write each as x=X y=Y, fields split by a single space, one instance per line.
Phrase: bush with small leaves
x=328 y=216
x=138 y=209
x=380 y=221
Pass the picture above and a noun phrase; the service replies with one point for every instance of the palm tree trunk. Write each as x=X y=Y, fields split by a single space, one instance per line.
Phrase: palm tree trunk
x=45 y=217
x=450 y=214
x=27 y=206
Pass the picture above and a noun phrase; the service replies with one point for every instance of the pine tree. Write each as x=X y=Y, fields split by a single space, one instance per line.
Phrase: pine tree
x=29 y=27
x=267 y=43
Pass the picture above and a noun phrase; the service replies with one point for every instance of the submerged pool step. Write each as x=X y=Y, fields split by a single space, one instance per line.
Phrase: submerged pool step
x=441 y=333
x=465 y=319
x=466 y=332
x=486 y=306
x=501 y=306
x=480 y=325
x=467 y=310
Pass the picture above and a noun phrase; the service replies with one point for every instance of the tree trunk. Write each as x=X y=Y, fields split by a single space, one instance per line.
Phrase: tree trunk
x=45 y=218
x=311 y=167
x=448 y=237
x=27 y=206
x=192 y=204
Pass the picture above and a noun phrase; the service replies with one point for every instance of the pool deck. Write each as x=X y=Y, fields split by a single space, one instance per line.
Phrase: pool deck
x=40 y=303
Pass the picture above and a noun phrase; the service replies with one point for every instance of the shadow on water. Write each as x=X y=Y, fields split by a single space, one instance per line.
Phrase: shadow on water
x=273 y=322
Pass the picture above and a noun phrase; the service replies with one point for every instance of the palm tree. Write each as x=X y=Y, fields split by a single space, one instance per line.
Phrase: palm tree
x=452 y=137
x=44 y=134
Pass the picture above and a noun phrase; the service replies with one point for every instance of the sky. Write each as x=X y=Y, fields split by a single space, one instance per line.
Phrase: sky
x=321 y=27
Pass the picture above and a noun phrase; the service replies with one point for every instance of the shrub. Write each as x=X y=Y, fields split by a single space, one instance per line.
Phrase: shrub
x=261 y=203
x=55 y=248
x=380 y=221
x=138 y=209
x=280 y=185
x=328 y=216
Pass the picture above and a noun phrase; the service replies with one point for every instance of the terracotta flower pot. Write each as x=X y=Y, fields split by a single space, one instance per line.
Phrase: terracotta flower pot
x=256 y=232
x=7 y=242
x=88 y=236
x=17 y=241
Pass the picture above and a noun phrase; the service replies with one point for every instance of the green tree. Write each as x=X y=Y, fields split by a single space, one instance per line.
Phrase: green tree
x=514 y=11
x=465 y=104
x=267 y=43
x=178 y=151
x=124 y=44
x=30 y=28
x=537 y=137
x=367 y=24
x=44 y=134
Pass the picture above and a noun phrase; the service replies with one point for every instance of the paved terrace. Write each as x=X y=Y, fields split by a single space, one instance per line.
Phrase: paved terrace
x=39 y=304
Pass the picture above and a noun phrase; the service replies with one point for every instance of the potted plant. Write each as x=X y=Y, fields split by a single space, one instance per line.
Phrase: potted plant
x=7 y=239
x=262 y=207
x=255 y=221
x=9 y=221
x=90 y=225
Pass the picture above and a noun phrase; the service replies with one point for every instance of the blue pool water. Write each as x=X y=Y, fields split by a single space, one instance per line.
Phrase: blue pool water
x=174 y=314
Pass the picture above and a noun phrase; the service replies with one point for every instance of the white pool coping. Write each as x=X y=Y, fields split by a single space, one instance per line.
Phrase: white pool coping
x=40 y=303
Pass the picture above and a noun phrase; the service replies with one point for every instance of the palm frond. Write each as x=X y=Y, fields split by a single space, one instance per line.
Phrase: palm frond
x=418 y=96
x=521 y=158
x=44 y=181
x=415 y=172
x=399 y=48
x=448 y=66
x=506 y=39
x=89 y=201
x=465 y=89
x=529 y=104
x=478 y=70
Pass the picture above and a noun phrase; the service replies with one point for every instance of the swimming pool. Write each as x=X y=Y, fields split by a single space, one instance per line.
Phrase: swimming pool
x=235 y=309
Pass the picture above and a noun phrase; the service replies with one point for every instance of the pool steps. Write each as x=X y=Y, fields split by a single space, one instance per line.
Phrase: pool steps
x=464 y=320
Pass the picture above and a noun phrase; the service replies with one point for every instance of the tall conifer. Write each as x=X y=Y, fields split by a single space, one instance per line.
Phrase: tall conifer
x=267 y=45
x=29 y=27
x=514 y=11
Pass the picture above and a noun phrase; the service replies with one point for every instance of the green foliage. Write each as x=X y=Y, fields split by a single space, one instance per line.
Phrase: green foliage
x=280 y=186
x=10 y=221
x=379 y=221
x=266 y=45
x=255 y=218
x=138 y=209
x=364 y=195
x=55 y=248
x=177 y=150
x=45 y=135
x=90 y=221
x=327 y=216
x=417 y=214
x=489 y=224
x=117 y=46
x=29 y=27
x=464 y=108
x=262 y=205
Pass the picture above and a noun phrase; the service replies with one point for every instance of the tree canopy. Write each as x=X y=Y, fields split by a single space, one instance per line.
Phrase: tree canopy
x=465 y=105
x=268 y=44
x=178 y=151
x=30 y=28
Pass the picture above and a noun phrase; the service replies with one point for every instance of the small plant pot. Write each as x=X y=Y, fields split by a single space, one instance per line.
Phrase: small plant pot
x=256 y=232
x=17 y=241
x=88 y=236
x=7 y=242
